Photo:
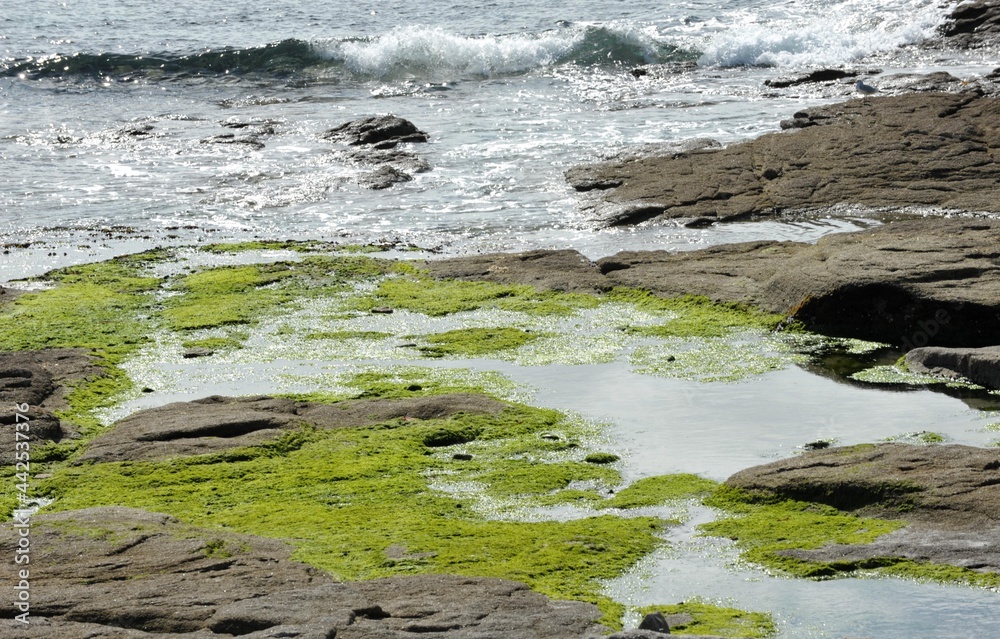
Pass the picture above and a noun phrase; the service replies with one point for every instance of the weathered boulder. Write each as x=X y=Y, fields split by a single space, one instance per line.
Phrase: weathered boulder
x=972 y=25
x=916 y=149
x=127 y=573
x=380 y=132
x=217 y=423
x=32 y=389
x=948 y=494
x=383 y=177
x=978 y=365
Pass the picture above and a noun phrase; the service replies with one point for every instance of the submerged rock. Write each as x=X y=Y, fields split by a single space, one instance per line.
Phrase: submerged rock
x=215 y=424
x=124 y=572
x=375 y=140
x=916 y=149
x=978 y=365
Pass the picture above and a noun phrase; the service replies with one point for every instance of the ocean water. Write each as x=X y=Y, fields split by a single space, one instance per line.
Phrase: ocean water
x=108 y=110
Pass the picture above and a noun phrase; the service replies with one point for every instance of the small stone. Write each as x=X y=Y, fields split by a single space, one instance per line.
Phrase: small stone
x=385 y=310
x=462 y=457
x=656 y=622
x=197 y=351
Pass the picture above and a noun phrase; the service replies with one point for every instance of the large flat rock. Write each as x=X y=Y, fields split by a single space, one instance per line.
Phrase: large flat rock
x=124 y=573
x=932 y=149
x=978 y=365
x=908 y=283
x=216 y=423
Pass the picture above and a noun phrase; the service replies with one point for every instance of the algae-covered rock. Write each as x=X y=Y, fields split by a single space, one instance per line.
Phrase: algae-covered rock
x=125 y=572
x=215 y=424
x=947 y=496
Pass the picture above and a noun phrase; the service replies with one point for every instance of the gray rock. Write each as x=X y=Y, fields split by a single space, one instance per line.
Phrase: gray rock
x=381 y=132
x=916 y=149
x=656 y=622
x=216 y=424
x=947 y=488
x=383 y=178
x=34 y=381
x=978 y=365
x=127 y=573
x=973 y=25
x=562 y=270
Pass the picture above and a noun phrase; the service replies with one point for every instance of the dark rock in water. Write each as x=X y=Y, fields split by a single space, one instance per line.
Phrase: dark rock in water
x=232 y=138
x=216 y=423
x=978 y=365
x=197 y=351
x=973 y=24
x=383 y=178
x=946 y=493
x=381 y=132
x=128 y=573
x=926 y=149
x=396 y=158
x=820 y=75
x=656 y=622
x=33 y=388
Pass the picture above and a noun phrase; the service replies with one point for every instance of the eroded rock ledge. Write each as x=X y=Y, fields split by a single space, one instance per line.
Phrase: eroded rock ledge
x=917 y=149
x=216 y=423
x=948 y=494
x=907 y=283
x=125 y=573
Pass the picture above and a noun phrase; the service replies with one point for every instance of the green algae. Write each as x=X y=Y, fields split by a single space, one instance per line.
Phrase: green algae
x=436 y=298
x=659 y=490
x=894 y=374
x=475 y=342
x=234 y=341
x=715 y=359
x=696 y=316
x=763 y=529
x=344 y=496
x=717 y=621
x=922 y=437
x=601 y=458
x=344 y=335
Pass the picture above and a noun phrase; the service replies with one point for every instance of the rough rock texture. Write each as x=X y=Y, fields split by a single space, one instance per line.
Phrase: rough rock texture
x=973 y=24
x=105 y=573
x=979 y=365
x=908 y=283
x=949 y=494
x=926 y=149
x=36 y=379
x=563 y=270
x=373 y=142
x=380 y=132
x=219 y=423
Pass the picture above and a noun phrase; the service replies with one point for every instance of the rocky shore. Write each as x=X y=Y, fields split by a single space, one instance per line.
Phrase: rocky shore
x=926 y=281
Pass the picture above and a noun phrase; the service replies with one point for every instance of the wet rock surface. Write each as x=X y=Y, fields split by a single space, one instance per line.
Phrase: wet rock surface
x=373 y=141
x=948 y=494
x=916 y=149
x=32 y=389
x=928 y=280
x=128 y=573
x=215 y=424
x=972 y=25
x=978 y=365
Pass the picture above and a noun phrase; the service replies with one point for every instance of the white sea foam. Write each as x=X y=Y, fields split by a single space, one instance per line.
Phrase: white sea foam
x=840 y=33
x=435 y=52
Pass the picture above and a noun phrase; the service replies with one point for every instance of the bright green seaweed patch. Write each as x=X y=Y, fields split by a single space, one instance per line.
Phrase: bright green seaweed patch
x=763 y=527
x=244 y=294
x=234 y=341
x=472 y=342
x=717 y=621
x=696 y=316
x=342 y=335
x=345 y=496
x=656 y=491
x=444 y=297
